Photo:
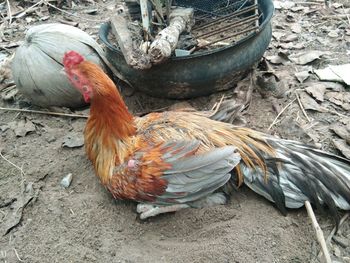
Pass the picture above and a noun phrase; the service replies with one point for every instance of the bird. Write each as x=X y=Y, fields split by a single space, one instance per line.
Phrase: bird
x=172 y=160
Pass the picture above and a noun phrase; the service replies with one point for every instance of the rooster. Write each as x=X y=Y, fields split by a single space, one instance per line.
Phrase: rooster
x=173 y=160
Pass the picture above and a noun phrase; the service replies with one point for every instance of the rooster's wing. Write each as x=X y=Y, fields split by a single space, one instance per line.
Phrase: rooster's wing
x=173 y=173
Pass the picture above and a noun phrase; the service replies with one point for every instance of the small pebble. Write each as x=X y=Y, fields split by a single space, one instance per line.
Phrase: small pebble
x=50 y=138
x=65 y=182
x=15 y=153
x=333 y=34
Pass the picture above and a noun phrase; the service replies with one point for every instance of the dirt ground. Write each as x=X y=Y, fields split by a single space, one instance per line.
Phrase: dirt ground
x=40 y=221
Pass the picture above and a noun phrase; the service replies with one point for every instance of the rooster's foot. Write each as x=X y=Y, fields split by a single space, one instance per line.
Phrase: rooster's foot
x=147 y=210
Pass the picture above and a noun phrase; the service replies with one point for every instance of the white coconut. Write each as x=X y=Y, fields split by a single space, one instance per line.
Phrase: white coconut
x=37 y=65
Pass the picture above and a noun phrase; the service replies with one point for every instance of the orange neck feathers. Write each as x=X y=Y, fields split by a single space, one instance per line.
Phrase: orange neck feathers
x=108 y=110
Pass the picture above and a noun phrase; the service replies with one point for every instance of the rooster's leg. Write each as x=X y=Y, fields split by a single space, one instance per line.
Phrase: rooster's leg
x=147 y=210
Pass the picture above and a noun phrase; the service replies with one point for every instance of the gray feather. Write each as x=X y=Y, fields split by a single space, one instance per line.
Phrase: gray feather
x=192 y=178
x=304 y=173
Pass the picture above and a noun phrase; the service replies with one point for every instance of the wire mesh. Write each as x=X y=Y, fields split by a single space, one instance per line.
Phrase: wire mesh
x=222 y=22
x=213 y=7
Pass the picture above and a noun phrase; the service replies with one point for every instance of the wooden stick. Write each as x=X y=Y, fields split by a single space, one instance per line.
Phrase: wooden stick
x=134 y=56
x=145 y=16
x=347 y=15
x=302 y=108
x=159 y=12
x=165 y=42
x=22 y=13
x=9 y=11
x=319 y=232
x=45 y=112
x=337 y=16
x=71 y=14
x=19 y=259
x=14 y=165
x=309 y=3
x=279 y=114
x=256 y=13
x=74 y=115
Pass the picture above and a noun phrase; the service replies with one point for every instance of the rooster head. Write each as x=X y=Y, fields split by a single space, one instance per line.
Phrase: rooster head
x=73 y=66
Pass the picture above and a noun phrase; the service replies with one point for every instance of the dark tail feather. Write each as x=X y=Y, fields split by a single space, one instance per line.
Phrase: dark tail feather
x=299 y=173
x=228 y=111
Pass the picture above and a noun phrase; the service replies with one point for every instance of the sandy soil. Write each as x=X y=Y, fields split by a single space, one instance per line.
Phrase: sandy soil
x=84 y=224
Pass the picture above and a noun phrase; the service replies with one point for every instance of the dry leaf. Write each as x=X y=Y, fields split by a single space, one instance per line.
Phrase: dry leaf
x=73 y=140
x=302 y=76
x=275 y=59
x=342 y=147
x=338 y=73
x=299 y=8
x=341 y=99
x=278 y=35
x=306 y=57
x=291 y=45
x=283 y=5
x=327 y=74
x=289 y=128
x=334 y=86
x=316 y=91
x=346 y=122
x=296 y=28
x=15 y=216
x=341 y=131
x=337 y=5
x=290 y=38
x=22 y=127
x=309 y=103
x=342 y=71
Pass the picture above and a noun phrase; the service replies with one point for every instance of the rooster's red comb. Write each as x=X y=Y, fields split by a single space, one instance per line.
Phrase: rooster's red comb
x=72 y=58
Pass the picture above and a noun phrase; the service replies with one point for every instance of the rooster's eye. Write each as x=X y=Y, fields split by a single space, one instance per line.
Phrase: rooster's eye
x=75 y=78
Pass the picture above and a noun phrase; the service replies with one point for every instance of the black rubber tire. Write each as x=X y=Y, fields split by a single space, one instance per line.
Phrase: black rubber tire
x=197 y=74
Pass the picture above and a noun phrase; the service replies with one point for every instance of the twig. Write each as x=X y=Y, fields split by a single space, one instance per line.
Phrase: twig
x=46 y=112
x=73 y=115
x=19 y=15
x=325 y=109
x=319 y=232
x=142 y=113
x=9 y=11
x=347 y=15
x=279 y=114
x=249 y=95
x=336 y=113
x=302 y=108
x=158 y=12
x=337 y=16
x=3 y=254
x=19 y=259
x=341 y=222
x=71 y=14
x=331 y=234
x=216 y=106
x=309 y=3
x=14 y=165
